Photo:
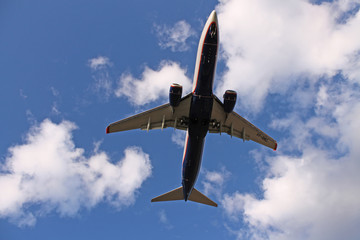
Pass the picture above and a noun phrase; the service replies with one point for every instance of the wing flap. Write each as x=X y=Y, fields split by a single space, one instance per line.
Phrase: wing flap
x=157 y=118
x=237 y=126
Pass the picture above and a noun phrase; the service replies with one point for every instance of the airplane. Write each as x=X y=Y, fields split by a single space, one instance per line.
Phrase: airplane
x=197 y=113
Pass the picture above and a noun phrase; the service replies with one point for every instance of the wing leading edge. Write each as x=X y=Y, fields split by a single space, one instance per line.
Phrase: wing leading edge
x=237 y=126
x=157 y=118
x=166 y=116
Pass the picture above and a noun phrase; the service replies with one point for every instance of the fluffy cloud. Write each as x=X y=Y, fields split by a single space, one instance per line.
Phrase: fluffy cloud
x=174 y=37
x=178 y=137
x=311 y=188
x=270 y=46
x=214 y=182
x=308 y=55
x=154 y=84
x=49 y=173
x=99 y=62
x=310 y=197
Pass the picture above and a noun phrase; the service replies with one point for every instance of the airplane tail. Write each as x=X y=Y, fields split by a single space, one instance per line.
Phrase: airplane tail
x=177 y=194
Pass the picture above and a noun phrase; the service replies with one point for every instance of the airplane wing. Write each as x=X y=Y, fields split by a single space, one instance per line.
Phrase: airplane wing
x=237 y=126
x=157 y=118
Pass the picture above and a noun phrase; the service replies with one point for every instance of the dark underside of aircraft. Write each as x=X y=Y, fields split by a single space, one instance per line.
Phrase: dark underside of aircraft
x=198 y=113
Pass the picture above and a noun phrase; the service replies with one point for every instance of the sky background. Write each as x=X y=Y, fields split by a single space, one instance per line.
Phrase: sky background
x=69 y=68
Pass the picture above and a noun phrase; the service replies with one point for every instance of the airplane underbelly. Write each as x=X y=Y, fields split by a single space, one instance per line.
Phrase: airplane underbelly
x=199 y=117
x=192 y=160
x=207 y=67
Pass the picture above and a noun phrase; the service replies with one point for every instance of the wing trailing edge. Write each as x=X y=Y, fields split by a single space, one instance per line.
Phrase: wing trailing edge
x=237 y=126
x=177 y=194
x=161 y=117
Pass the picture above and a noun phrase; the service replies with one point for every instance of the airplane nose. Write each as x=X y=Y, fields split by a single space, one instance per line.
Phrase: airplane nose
x=213 y=16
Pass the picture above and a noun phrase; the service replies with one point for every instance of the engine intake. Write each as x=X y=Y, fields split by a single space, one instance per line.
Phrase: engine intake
x=175 y=94
x=229 y=100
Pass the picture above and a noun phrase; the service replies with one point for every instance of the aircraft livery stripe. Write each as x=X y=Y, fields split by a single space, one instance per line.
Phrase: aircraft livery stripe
x=185 y=149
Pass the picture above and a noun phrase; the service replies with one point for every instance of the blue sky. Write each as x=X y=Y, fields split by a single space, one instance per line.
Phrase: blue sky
x=70 y=68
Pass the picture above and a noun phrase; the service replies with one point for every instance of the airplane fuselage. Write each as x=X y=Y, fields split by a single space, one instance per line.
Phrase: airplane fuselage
x=201 y=104
x=199 y=112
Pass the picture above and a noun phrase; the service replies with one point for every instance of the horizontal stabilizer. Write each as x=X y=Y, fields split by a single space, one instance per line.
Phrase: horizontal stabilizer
x=197 y=196
x=177 y=194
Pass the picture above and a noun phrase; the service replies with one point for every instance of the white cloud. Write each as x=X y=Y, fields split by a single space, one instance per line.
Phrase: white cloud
x=55 y=109
x=178 y=137
x=49 y=173
x=308 y=55
x=270 y=46
x=164 y=219
x=54 y=92
x=310 y=197
x=99 y=62
x=313 y=194
x=174 y=37
x=22 y=94
x=103 y=84
x=214 y=181
x=154 y=84
x=55 y=106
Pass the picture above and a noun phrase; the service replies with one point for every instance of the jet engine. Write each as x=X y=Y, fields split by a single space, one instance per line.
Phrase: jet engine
x=229 y=100
x=175 y=94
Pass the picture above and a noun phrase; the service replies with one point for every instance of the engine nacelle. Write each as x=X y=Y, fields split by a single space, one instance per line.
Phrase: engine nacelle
x=175 y=94
x=229 y=100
